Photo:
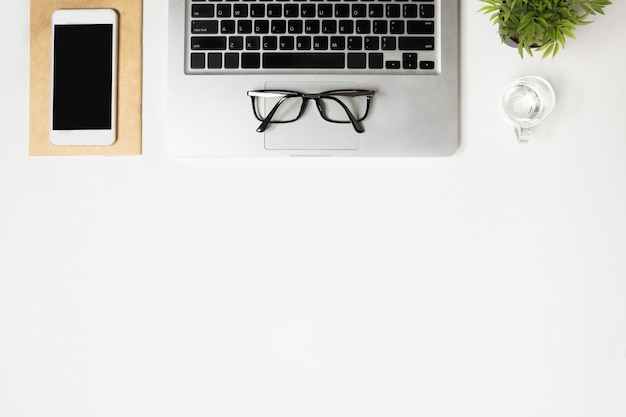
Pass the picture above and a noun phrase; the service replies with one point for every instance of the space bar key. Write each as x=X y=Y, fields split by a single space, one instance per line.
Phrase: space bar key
x=303 y=60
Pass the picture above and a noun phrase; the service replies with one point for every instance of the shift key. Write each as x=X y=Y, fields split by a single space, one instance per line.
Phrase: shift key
x=208 y=43
x=416 y=43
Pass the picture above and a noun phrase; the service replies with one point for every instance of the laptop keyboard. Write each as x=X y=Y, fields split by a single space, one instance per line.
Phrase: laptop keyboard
x=332 y=36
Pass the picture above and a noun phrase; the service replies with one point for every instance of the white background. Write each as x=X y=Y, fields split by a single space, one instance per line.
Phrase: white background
x=490 y=283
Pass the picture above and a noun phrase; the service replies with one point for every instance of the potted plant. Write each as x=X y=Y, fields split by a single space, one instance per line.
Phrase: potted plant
x=540 y=24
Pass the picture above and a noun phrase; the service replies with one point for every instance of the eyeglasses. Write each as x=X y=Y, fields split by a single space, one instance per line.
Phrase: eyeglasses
x=337 y=106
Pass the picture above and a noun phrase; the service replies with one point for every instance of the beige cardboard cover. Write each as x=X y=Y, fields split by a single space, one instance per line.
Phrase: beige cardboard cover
x=129 y=77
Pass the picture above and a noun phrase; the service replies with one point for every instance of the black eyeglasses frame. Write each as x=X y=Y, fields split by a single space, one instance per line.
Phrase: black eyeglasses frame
x=318 y=98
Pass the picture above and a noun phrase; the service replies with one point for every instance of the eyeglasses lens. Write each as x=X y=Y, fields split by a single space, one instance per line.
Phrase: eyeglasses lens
x=335 y=112
x=288 y=110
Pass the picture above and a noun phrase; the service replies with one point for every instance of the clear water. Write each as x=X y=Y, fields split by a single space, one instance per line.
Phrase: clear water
x=523 y=105
x=527 y=101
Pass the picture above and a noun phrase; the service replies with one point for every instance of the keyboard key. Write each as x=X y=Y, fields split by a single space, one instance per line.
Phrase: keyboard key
x=342 y=10
x=325 y=10
x=329 y=26
x=200 y=27
x=223 y=10
x=357 y=60
x=307 y=10
x=376 y=10
x=392 y=64
x=202 y=10
x=253 y=43
x=409 y=11
x=257 y=10
x=379 y=27
x=359 y=10
x=244 y=26
x=274 y=10
x=363 y=27
x=294 y=26
x=420 y=27
x=270 y=43
x=231 y=60
x=215 y=61
x=320 y=43
x=346 y=26
x=208 y=43
x=372 y=43
x=261 y=26
x=337 y=43
x=240 y=10
x=409 y=60
x=286 y=43
x=235 y=43
x=388 y=43
x=414 y=43
x=278 y=26
x=392 y=10
x=396 y=27
x=198 y=61
x=309 y=60
x=303 y=43
x=376 y=60
x=311 y=26
x=427 y=11
x=427 y=65
x=355 y=43
x=227 y=26
x=250 y=60
x=291 y=10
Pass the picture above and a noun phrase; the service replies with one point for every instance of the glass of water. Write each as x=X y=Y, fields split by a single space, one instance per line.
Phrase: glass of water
x=526 y=102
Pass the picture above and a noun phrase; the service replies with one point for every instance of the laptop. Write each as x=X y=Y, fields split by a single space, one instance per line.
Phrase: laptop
x=375 y=78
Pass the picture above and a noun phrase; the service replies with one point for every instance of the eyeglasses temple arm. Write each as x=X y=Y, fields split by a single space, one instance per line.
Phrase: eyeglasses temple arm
x=265 y=123
x=355 y=123
x=354 y=93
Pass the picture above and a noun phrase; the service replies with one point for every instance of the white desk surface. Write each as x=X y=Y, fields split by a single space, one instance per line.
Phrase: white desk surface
x=491 y=283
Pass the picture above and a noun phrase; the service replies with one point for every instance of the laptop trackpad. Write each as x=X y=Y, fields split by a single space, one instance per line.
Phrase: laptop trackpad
x=310 y=131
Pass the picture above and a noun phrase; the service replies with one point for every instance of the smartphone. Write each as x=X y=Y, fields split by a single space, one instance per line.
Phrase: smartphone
x=84 y=77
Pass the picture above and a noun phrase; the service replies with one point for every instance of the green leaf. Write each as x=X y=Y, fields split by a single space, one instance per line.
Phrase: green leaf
x=548 y=51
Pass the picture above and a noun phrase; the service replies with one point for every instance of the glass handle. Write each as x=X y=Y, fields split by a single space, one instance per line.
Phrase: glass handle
x=523 y=134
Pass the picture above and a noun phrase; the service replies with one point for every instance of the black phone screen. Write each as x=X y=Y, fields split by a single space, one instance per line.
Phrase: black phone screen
x=82 y=77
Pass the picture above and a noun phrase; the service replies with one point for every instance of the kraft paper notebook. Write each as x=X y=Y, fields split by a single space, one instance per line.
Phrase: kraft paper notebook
x=129 y=94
